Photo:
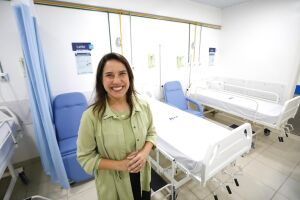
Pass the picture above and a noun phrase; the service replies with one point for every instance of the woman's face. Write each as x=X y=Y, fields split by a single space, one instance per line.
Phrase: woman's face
x=115 y=80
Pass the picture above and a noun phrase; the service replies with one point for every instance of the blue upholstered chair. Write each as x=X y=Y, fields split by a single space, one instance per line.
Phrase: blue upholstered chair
x=174 y=96
x=67 y=110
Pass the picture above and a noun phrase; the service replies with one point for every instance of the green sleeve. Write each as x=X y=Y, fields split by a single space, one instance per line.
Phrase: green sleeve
x=87 y=154
x=151 y=133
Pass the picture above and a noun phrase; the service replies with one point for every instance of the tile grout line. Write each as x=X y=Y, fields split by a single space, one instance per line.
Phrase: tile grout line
x=197 y=195
x=285 y=181
x=274 y=142
x=194 y=193
x=254 y=158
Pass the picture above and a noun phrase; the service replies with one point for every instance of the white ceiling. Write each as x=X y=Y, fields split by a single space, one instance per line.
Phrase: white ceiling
x=220 y=3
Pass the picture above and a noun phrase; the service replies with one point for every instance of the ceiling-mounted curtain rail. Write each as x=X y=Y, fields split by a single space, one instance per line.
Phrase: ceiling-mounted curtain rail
x=122 y=12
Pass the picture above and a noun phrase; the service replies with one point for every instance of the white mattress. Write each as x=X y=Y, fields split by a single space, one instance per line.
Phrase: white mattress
x=267 y=112
x=184 y=136
x=6 y=145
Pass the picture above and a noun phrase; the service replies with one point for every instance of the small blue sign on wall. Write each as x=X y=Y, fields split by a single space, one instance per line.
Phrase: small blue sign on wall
x=82 y=46
x=297 y=90
x=212 y=50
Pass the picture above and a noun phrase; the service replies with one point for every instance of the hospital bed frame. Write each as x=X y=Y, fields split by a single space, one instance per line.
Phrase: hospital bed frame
x=8 y=144
x=10 y=134
x=10 y=126
x=217 y=157
x=288 y=111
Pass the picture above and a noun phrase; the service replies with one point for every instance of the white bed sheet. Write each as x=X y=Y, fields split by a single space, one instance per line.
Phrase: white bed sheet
x=267 y=112
x=191 y=135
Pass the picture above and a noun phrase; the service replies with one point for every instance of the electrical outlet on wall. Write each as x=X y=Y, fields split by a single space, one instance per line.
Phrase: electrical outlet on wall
x=179 y=61
x=22 y=62
x=151 y=60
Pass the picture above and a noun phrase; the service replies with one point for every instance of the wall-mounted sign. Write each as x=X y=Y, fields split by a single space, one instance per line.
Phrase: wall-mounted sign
x=297 y=90
x=211 y=59
x=83 y=57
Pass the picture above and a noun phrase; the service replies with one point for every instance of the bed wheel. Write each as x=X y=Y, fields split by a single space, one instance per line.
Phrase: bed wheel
x=228 y=189
x=24 y=178
x=267 y=132
x=236 y=182
x=215 y=197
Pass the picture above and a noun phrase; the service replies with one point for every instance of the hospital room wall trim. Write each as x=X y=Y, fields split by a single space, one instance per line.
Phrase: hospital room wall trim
x=123 y=12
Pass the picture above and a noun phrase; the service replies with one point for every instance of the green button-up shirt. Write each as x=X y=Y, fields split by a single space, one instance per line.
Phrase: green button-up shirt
x=105 y=138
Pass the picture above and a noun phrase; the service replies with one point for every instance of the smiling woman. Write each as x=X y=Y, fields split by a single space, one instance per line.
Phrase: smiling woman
x=116 y=134
x=115 y=81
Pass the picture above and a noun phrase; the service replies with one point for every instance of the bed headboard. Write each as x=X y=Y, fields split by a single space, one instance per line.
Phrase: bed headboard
x=289 y=110
x=267 y=91
x=227 y=150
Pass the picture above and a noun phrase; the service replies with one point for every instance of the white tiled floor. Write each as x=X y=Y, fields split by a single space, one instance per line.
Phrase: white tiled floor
x=270 y=171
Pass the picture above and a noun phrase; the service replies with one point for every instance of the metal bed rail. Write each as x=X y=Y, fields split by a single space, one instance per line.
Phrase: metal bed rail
x=169 y=172
x=246 y=89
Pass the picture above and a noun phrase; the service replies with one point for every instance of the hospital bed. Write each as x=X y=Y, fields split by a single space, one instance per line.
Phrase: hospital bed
x=196 y=146
x=260 y=107
x=9 y=135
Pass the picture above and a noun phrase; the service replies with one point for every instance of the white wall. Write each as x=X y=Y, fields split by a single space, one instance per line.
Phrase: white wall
x=298 y=74
x=10 y=53
x=59 y=27
x=260 y=40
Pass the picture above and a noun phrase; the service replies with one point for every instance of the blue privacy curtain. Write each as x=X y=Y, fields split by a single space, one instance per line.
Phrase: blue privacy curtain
x=39 y=92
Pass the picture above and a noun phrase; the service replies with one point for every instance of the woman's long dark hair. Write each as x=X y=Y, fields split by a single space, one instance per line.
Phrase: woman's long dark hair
x=99 y=106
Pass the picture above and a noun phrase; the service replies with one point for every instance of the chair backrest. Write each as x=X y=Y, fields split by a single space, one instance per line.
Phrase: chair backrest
x=67 y=111
x=174 y=95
